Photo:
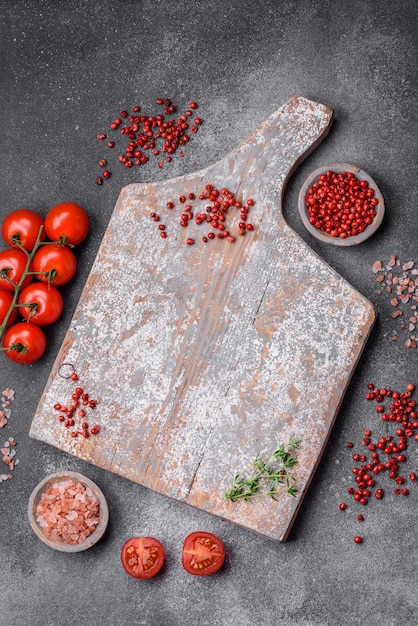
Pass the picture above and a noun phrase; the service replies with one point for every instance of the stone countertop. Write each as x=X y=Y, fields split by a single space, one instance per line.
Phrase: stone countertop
x=67 y=71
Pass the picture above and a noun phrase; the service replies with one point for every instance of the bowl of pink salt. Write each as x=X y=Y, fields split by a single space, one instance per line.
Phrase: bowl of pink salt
x=68 y=512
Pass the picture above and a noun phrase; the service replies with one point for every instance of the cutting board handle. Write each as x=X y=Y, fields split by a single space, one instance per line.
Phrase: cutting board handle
x=272 y=153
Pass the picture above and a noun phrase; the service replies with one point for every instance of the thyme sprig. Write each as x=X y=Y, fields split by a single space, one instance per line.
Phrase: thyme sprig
x=267 y=475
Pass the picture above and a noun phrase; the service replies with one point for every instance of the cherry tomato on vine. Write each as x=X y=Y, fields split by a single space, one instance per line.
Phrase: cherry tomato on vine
x=22 y=227
x=24 y=343
x=6 y=299
x=203 y=553
x=46 y=303
x=58 y=262
x=142 y=557
x=12 y=266
x=67 y=220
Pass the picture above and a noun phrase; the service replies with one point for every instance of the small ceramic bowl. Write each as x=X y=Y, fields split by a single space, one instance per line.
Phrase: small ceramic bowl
x=53 y=542
x=321 y=234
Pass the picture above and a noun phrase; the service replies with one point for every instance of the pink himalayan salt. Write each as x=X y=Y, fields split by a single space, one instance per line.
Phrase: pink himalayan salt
x=68 y=511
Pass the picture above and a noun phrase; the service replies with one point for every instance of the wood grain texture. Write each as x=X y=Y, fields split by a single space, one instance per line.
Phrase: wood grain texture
x=202 y=356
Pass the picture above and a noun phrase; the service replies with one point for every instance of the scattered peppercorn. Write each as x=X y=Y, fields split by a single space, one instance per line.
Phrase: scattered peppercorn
x=71 y=414
x=142 y=132
x=214 y=213
x=387 y=452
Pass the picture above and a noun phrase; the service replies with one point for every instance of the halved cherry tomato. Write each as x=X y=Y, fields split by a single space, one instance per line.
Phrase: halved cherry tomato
x=203 y=553
x=58 y=263
x=142 y=557
x=22 y=227
x=45 y=303
x=6 y=300
x=24 y=343
x=12 y=265
x=67 y=220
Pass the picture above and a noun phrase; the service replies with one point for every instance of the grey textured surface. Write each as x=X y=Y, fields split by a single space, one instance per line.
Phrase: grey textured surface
x=66 y=70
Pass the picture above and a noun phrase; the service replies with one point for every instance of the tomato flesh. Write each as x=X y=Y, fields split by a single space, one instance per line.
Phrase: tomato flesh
x=203 y=553
x=142 y=557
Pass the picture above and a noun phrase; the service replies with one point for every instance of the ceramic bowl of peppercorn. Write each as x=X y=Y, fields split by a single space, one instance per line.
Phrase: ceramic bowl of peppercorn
x=68 y=512
x=341 y=204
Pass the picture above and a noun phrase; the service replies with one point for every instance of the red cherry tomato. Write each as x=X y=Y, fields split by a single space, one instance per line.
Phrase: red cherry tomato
x=203 y=553
x=58 y=262
x=142 y=557
x=22 y=227
x=6 y=300
x=67 y=220
x=12 y=265
x=46 y=303
x=24 y=343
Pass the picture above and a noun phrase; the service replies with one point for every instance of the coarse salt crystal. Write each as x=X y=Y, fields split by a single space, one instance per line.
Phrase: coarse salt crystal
x=65 y=523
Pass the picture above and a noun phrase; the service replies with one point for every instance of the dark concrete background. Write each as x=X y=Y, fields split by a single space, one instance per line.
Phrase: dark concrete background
x=66 y=70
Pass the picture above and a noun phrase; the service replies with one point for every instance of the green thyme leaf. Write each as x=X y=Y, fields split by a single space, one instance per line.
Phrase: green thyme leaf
x=267 y=476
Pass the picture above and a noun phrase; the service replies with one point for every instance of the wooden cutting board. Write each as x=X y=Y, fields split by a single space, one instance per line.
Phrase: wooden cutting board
x=202 y=356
